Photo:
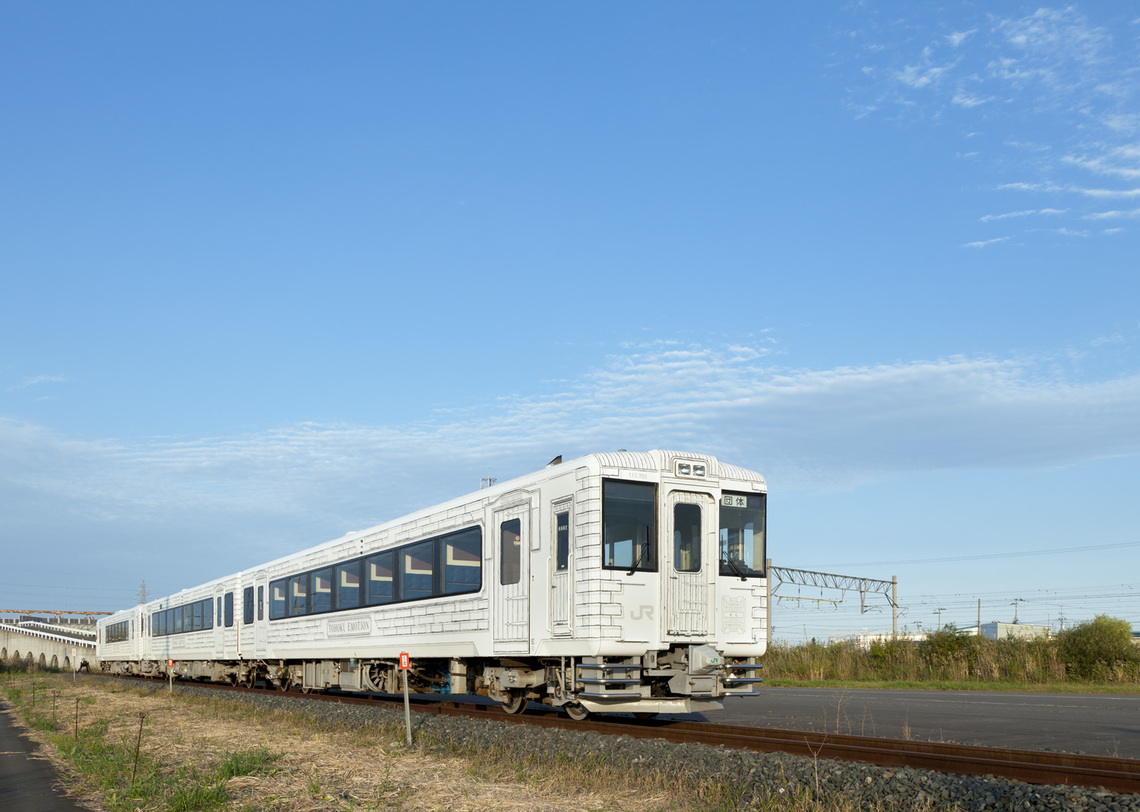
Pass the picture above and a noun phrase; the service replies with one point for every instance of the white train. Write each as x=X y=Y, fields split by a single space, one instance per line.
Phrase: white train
x=614 y=582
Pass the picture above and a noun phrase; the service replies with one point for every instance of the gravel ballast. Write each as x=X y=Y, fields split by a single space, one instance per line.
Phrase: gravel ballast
x=754 y=776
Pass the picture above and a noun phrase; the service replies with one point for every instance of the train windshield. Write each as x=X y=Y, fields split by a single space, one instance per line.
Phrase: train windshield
x=742 y=535
x=629 y=532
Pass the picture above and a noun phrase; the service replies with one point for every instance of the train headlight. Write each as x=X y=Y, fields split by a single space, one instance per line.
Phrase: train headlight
x=689 y=469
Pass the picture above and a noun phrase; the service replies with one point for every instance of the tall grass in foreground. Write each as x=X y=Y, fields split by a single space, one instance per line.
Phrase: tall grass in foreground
x=1098 y=652
x=125 y=776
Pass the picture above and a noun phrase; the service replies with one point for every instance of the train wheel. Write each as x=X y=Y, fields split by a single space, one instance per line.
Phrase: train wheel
x=251 y=679
x=516 y=704
x=576 y=711
x=284 y=684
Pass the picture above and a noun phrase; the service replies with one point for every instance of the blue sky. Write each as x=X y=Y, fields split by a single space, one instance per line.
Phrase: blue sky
x=276 y=272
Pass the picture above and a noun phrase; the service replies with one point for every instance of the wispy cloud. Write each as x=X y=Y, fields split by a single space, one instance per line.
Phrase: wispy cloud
x=984 y=243
x=1053 y=82
x=1112 y=215
x=807 y=425
x=1025 y=213
x=28 y=383
x=958 y=37
x=925 y=73
x=1107 y=193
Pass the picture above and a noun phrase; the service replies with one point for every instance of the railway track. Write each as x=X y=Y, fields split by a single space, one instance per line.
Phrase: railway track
x=1029 y=766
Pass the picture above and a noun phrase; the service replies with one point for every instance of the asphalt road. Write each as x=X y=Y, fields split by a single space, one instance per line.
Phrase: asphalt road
x=27 y=780
x=1094 y=724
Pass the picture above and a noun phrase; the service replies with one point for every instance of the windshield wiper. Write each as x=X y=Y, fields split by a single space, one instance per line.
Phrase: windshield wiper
x=640 y=553
x=732 y=562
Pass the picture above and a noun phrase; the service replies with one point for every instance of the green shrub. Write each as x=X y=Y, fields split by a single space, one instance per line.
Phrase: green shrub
x=1100 y=649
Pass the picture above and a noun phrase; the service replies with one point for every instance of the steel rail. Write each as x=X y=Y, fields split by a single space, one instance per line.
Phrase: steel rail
x=1029 y=766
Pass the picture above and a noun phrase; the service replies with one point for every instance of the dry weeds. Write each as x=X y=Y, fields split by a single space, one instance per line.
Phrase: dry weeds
x=321 y=768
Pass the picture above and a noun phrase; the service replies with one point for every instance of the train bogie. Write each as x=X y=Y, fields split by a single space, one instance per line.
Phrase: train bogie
x=615 y=582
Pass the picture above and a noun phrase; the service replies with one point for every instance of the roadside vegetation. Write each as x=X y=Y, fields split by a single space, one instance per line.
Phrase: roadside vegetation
x=122 y=747
x=1099 y=655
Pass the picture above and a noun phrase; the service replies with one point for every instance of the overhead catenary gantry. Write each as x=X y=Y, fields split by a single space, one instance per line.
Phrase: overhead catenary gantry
x=778 y=576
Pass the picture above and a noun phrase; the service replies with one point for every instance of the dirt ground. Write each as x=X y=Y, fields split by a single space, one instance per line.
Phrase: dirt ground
x=323 y=769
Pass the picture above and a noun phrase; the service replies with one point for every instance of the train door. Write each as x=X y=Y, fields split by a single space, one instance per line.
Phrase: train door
x=138 y=632
x=689 y=564
x=219 y=626
x=261 y=616
x=512 y=579
x=562 y=568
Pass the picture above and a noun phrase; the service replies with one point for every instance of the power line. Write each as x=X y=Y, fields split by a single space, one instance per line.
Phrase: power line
x=988 y=556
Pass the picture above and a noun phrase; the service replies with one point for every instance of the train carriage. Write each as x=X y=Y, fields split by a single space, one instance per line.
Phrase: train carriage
x=614 y=582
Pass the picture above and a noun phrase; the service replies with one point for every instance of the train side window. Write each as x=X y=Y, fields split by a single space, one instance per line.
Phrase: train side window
x=417 y=571
x=320 y=600
x=742 y=519
x=298 y=595
x=219 y=611
x=687 y=537
x=277 y=600
x=510 y=552
x=207 y=614
x=461 y=556
x=229 y=616
x=347 y=584
x=196 y=613
x=629 y=526
x=380 y=569
x=562 y=541
x=261 y=603
x=247 y=605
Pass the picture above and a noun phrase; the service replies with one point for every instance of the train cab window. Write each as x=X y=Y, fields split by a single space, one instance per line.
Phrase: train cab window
x=460 y=555
x=247 y=605
x=417 y=571
x=321 y=599
x=562 y=541
x=261 y=603
x=629 y=526
x=510 y=552
x=687 y=537
x=298 y=595
x=277 y=599
x=346 y=580
x=380 y=570
x=742 y=535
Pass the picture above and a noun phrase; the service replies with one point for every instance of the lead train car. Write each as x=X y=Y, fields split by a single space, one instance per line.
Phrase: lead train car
x=613 y=582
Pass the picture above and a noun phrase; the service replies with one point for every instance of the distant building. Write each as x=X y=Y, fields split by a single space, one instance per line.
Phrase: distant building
x=864 y=641
x=1015 y=631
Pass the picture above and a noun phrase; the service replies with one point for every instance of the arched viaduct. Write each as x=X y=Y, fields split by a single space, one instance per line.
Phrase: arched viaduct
x=39 y=645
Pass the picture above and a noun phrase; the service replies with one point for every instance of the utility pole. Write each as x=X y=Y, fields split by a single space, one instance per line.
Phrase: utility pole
x=938 y=611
